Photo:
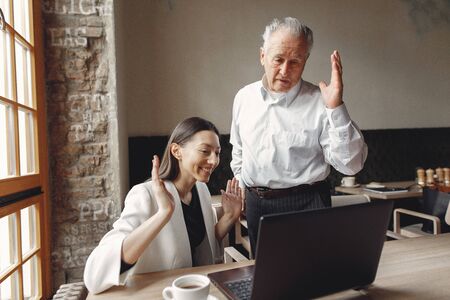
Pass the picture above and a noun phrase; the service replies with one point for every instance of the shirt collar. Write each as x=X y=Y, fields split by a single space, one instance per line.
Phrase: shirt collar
x=286 y=97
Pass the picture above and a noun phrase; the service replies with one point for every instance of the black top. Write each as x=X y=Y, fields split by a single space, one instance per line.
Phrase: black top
x=195 y=225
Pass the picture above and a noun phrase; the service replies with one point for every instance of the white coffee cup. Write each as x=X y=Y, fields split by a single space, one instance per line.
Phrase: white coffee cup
x=348 y=181
x=188 y=287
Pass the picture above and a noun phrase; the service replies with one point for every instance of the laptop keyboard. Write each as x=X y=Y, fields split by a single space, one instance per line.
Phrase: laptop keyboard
x=242 y=288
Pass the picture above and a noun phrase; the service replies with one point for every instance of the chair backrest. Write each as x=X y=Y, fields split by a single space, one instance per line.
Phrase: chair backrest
x=447 y=215
x=228 y=253
x=343 y=200
x=218 y=211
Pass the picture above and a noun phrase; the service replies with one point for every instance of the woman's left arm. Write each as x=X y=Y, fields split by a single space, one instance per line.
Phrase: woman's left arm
x=232 y=207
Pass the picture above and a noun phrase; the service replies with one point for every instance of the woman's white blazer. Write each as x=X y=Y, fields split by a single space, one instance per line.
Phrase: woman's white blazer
x=169 y=250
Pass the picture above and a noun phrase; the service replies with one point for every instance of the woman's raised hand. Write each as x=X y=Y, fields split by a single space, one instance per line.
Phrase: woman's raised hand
x=138 y=240
x=232 y=206
x=232 y=199
x=164 y=199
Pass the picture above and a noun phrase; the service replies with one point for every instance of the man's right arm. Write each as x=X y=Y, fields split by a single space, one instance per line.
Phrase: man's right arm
x=235 y=141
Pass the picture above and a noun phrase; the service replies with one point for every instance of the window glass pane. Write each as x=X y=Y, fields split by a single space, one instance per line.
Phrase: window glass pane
x=23 y=143
x=9 y=289
x=28 y=227
x=5 y=255
x=7 y=145
x=4 y=5
x=8 y=240
x=22 y=18
x=3 y=148
x=26 y=143
x=30 y=279
x=23 y=74
x=5 y=65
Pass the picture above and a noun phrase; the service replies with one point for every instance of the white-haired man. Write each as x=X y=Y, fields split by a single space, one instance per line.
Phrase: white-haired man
x=286 y=132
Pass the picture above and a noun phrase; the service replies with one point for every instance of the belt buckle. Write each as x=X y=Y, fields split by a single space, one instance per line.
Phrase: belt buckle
x=262 y=189
x=262 y=192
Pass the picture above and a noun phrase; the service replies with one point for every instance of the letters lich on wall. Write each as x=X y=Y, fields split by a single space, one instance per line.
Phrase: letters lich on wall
x=78 y=7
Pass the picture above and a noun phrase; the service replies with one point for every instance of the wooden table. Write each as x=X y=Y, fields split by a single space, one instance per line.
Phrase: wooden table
x=414 y=193
x=416 y=268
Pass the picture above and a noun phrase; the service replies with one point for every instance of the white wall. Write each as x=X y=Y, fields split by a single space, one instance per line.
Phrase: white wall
x=183 y=58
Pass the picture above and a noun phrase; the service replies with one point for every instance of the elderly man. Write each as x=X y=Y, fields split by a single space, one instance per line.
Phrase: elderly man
x=286 y=132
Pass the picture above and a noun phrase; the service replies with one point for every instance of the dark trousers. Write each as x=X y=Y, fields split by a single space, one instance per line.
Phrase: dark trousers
x=256 y=207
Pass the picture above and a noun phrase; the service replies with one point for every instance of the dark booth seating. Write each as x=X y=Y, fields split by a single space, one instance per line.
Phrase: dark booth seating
x=393 y=155
x=141 y=150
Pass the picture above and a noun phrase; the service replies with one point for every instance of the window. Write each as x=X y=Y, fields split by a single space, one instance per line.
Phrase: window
x=24 y=251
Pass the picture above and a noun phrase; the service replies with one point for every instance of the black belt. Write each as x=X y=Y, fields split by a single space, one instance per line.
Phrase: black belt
x=267 y=193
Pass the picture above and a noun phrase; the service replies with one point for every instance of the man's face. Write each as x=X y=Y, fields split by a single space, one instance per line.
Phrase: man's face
x=284 y=60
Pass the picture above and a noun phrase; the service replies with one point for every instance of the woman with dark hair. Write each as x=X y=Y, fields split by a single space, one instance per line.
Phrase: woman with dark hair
x=168 y=222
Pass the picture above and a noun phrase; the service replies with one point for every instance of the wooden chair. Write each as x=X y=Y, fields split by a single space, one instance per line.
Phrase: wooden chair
x=241 y=239
x=230 y=254
x=447 y=215
x=415 y=230
x=343 y=200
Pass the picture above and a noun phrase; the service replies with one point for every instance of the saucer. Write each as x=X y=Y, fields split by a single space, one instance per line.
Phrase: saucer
x=211 y=297
x=351 y=186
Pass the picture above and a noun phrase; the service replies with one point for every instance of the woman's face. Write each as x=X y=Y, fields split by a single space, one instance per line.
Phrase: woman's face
x=199 y=156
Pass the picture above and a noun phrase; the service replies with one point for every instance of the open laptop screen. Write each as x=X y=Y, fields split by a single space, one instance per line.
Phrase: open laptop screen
x=317 y=252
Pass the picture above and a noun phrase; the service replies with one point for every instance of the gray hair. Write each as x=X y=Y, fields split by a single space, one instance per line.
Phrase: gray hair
x=293 y=26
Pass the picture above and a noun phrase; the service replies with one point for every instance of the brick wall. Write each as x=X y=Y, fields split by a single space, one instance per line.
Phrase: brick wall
x=82 y=129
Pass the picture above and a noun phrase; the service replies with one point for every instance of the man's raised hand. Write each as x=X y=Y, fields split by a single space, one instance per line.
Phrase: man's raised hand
x=332 y=93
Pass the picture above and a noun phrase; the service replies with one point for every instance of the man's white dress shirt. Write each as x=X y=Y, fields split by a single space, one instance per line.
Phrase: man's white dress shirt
x=286 y=139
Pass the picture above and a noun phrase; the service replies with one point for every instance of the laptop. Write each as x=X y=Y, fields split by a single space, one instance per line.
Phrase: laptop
x=307 y=254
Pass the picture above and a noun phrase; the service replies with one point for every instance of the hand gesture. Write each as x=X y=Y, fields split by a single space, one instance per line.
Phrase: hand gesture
x=164 y=199
x=232 y=199
x=332 y=93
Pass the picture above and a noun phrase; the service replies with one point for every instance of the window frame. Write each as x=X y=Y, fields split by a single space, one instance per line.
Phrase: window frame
x=40 y=178
x=36 y=251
